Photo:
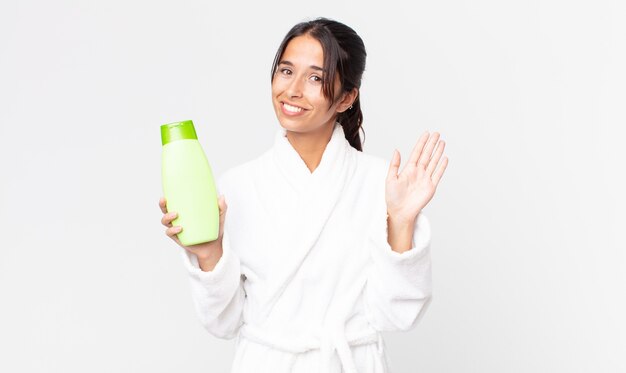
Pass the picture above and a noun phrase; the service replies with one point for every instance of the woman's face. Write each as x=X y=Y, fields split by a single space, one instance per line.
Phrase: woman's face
x=297 y=94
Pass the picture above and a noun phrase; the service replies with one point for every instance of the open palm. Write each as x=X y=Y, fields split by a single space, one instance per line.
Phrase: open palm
x=408 y=192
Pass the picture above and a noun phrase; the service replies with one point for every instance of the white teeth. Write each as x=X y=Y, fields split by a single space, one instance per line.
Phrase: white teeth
x=292 y=109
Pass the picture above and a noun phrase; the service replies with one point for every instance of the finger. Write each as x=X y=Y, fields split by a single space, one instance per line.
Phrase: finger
x=163 y=205
x=439 y=172
x=435 y=159
x=167 y=218
x=417 y=149
x=173 y=231
x=223 y=207
x=221 y=203
x=394 y=165
x=428 y=151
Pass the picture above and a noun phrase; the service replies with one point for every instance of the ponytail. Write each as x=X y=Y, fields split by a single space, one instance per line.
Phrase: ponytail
x=351 y=120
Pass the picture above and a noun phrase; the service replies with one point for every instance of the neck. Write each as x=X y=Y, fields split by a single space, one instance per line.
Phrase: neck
x=311 y=145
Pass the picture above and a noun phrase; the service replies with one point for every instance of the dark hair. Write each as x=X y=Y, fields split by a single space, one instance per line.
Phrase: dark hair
x=344 y=54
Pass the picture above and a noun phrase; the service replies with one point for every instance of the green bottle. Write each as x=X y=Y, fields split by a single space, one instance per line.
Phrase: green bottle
x=188 y=184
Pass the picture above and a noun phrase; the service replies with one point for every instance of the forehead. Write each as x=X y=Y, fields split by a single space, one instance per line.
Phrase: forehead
x=304 y=50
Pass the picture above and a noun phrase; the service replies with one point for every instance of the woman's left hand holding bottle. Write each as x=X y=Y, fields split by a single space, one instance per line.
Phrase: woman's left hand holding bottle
x=208 y=253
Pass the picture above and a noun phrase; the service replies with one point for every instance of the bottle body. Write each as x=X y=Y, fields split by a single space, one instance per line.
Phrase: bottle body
x=190 y=190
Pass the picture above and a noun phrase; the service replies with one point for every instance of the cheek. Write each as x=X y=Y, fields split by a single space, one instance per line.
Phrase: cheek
x=316 y=97
x=278 y=86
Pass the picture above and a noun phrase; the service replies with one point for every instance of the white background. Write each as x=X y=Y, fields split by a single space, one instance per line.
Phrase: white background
x=528 y=243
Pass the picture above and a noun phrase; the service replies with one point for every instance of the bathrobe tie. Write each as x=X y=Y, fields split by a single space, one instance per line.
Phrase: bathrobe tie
x=327 y=345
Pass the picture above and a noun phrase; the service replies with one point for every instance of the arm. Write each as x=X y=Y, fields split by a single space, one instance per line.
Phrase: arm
x=399 y=285
x=218 y=294
x=217 y=283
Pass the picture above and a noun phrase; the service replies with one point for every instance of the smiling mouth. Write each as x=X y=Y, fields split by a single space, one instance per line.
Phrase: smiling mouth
x=291 y=108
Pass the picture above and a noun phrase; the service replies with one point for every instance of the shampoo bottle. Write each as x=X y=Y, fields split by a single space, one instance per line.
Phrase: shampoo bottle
x=188 y=184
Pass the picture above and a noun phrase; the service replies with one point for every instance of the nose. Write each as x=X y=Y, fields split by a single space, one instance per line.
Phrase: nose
x=295 y=87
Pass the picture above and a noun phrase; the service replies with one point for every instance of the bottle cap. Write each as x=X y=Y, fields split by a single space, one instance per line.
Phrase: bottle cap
x=178 y=131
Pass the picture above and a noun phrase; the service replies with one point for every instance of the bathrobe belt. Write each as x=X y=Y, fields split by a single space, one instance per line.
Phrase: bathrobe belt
x=326 y=344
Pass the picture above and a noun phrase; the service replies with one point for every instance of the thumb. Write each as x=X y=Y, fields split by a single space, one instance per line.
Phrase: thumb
x=394 y=165
x=221 y=202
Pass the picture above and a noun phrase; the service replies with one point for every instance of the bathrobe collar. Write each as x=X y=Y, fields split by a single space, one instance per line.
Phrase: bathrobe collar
x=295 y=170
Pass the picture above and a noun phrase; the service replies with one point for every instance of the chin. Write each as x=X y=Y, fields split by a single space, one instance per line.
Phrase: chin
x=291 y=127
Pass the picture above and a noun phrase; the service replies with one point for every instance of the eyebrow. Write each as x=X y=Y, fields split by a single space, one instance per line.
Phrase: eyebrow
x=314 y=67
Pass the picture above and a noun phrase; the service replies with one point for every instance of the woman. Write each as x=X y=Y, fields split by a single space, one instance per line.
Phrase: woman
x=324 y=246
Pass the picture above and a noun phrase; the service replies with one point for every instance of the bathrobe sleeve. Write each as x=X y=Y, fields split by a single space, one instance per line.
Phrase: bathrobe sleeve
x=218 y=295
x=398 y=288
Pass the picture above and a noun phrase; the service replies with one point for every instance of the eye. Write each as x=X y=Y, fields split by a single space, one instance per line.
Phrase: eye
x=285 y=71
x=316 y=78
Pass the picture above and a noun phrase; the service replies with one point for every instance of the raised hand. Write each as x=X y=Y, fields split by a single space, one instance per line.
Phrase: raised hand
x=408 y=192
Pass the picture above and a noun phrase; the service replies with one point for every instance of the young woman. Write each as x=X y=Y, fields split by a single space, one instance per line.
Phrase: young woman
x=324 y=246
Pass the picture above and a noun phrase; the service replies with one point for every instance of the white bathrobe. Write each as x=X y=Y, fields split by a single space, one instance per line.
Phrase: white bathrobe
x=307 y=280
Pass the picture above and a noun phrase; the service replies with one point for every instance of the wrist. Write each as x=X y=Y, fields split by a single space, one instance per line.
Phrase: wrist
x=207 y=259
x=401 y=219
x=400 y=233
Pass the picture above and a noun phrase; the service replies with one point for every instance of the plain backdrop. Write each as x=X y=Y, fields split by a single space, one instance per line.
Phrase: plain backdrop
x=528 y=221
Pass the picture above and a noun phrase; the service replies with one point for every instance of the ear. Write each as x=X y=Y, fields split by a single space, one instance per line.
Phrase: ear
x=347 y=100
